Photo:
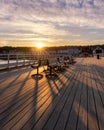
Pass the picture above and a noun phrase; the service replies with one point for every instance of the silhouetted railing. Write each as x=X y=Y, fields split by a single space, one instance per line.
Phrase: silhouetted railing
x=8 y=61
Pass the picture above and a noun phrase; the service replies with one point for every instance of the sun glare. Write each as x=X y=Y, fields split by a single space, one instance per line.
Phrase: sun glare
x=39 y=45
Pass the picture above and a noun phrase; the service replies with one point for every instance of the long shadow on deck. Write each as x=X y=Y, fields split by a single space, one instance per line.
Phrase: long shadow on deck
x=11 y=74
x=6 y=113
x=82 y=101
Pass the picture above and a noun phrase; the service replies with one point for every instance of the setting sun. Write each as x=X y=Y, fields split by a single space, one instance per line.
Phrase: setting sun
x=39 y=45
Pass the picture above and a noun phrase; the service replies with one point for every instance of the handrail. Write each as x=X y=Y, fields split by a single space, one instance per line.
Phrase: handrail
x=8 y=61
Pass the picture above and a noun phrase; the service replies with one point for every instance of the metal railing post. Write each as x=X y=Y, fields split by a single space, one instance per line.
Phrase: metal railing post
x=16 y=60
x=8 y=60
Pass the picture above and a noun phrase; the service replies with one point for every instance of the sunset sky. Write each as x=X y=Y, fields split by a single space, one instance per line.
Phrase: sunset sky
x=51 y=22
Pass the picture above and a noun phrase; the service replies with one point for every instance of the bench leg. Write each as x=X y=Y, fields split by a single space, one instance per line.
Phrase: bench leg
x=51 y=74
x=37 y=70
x=37 y=75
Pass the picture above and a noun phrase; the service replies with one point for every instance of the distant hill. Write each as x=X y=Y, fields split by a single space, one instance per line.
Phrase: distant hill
x=9 y=49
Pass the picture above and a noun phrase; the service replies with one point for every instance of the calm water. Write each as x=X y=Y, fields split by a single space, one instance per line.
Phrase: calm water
x=11 y=61
x=3 y=62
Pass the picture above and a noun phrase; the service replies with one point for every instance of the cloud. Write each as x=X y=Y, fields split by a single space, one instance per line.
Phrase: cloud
x=51 y=19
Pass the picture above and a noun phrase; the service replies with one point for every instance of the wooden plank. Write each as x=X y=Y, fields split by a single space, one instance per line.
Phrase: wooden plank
x=75 y=100
x=83 y=109
x=35 y=115
x=34 y=109
x=72 y=120
x=92 y=119
x=58 y=109
x=24 y=93
x=44 y=120
x=18 y=109
x=100 y=84
x=98 y=102
x=28 y=88
x=63 y=116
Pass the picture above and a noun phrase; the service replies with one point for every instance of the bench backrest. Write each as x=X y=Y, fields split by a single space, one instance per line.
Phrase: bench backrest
x=43 y=62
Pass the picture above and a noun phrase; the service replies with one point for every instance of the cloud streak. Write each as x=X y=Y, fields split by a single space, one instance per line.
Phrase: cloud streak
x=51 y=19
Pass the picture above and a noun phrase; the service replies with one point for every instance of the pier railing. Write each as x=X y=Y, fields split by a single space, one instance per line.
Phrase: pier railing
x=8 y=61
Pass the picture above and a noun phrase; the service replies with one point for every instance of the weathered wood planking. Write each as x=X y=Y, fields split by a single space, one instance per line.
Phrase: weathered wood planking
x=73 y=101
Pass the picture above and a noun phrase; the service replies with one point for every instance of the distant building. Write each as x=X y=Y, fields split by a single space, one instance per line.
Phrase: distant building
x=63 y=52
x=71 y=51
x=98 y=51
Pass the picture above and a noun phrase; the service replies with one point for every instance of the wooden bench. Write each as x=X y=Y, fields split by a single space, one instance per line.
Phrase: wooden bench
x=69 y=60
x=40 y=63
x=54 y=65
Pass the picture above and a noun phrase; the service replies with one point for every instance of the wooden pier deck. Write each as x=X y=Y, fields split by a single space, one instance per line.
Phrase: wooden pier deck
x=73 y=101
